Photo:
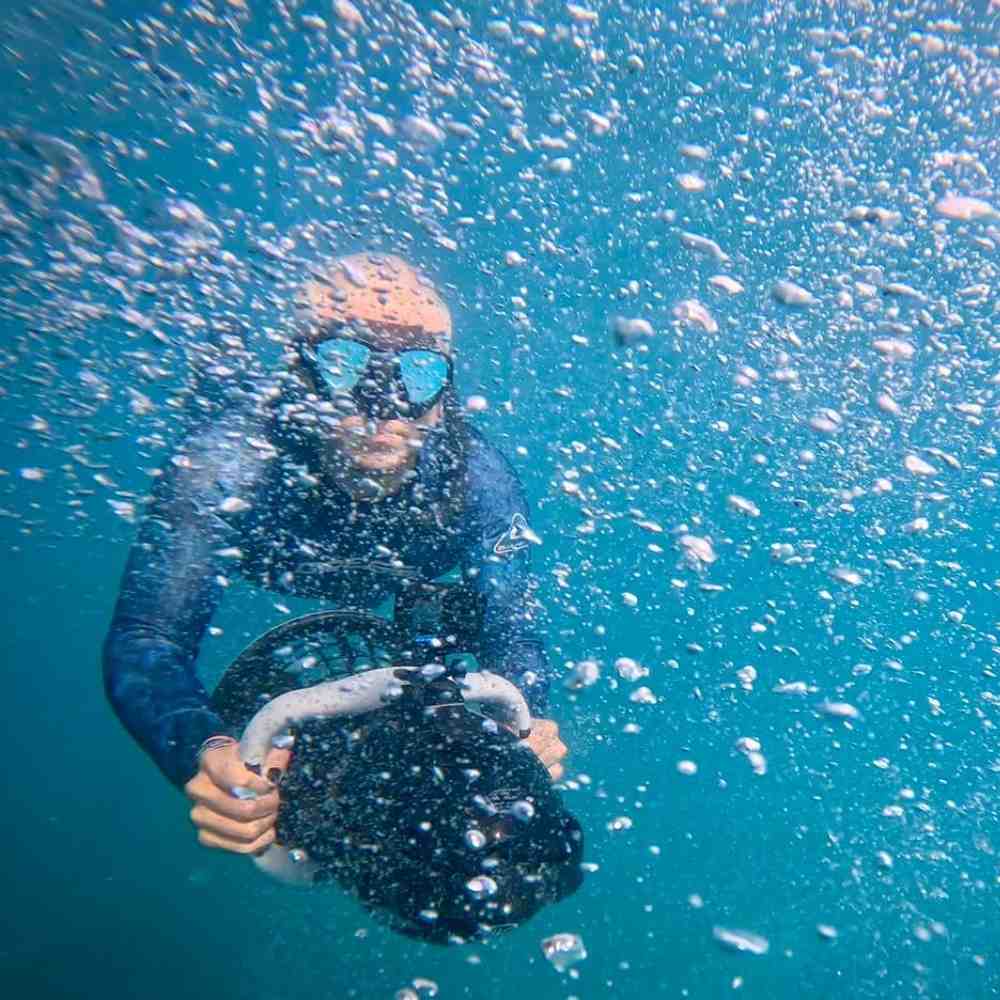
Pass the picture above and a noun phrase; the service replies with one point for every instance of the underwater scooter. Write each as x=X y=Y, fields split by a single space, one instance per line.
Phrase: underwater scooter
x=388 y=723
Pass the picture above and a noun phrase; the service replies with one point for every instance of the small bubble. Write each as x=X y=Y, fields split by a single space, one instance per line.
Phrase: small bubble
x=838 y=710
x=963 y=208
x=740 y=505
x=422 y=132
x=522 y=810
x=703 y=245
x=697 y=552
x=583 y=674
x=691 y=183
x=564 y=950
x=631 y=331
x=693 y=313
x=629 y=669
x=791 y=294
x=234 y=505
x=481 y=887
x=845 y=574
x=741 y=940
x=918 y=467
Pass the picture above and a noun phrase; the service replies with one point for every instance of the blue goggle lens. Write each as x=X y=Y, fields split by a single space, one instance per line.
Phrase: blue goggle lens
x=342 y=363
x=424 y=374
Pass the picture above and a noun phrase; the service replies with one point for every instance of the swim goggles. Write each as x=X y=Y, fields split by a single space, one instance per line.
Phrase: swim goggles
x=381 y=383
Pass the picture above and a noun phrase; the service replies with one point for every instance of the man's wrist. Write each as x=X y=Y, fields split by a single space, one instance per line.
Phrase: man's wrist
x=216 y=742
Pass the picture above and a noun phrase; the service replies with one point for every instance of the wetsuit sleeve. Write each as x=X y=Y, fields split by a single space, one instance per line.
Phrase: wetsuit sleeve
x=169 y=591
x=498 y=563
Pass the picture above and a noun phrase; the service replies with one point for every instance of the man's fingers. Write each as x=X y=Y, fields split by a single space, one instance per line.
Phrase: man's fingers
x=551 y=750
x=207 y=794
x=545 y=741
x=208 y=839
x=541 y=730
x=547 y=746
x=209 y=821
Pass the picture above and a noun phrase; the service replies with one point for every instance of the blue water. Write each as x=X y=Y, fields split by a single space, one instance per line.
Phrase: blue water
x=107 y=892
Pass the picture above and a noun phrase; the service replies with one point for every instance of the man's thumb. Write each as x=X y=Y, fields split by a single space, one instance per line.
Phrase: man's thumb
x=275 y=764
x=228 y=771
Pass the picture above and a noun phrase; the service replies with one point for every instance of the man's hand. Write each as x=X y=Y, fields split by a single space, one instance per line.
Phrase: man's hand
x=241 y=825
x=549 y=749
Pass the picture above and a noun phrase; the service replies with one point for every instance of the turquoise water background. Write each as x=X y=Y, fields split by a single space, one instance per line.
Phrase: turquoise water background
x=107 y=893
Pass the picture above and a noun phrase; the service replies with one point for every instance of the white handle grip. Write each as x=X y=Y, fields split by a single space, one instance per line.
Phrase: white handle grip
x=363 y=693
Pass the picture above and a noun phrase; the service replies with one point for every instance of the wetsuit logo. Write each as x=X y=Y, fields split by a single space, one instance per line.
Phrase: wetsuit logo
x=514 y=539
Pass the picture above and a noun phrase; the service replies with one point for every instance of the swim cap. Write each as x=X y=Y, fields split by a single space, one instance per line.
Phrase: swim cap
x=379 y=291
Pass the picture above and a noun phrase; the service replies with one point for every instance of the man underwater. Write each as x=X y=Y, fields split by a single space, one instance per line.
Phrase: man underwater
x=362 y=460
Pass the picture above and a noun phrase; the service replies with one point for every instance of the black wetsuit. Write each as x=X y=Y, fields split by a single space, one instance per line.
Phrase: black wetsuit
x=245 y=496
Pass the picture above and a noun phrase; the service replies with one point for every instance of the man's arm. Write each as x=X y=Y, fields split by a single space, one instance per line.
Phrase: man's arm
x=498 y=563
x=170 y=589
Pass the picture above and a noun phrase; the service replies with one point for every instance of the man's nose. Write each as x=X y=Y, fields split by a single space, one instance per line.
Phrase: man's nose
x=381 y=397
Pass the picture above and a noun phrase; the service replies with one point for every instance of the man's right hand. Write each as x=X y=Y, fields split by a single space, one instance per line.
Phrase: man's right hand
x=241 y=825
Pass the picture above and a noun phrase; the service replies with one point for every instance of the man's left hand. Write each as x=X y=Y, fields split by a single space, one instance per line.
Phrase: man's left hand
x=547 y=746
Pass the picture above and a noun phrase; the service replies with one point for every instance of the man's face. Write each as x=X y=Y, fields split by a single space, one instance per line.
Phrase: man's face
x=381 y=447
x=377 y=444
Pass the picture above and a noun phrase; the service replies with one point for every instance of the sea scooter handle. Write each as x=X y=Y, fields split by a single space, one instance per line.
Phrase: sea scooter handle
x=356 y=695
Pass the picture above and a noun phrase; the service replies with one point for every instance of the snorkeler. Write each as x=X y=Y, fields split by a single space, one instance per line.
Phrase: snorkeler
x=353 y=478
